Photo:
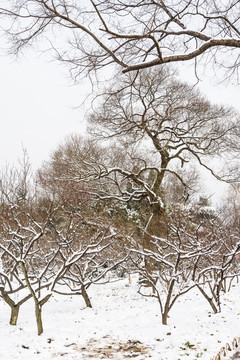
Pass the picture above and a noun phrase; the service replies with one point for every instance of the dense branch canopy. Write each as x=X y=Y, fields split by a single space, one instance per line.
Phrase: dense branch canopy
x=173 y=117
x=92 y=34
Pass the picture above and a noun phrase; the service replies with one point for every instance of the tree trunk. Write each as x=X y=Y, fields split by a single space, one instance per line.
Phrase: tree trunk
x=164 y=317
x=167 y=306
x=14 y=307
x=14 y=314
x=210 y=300
x=38 y=313
x=86 y=297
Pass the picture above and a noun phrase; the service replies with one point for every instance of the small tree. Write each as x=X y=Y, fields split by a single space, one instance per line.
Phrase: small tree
x=23 y=258
x=191 y=255
x=46 y=259
x=173 y=263
x=10 y=286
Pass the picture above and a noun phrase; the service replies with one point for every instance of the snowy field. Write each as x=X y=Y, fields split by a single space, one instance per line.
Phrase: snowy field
x=121 y=325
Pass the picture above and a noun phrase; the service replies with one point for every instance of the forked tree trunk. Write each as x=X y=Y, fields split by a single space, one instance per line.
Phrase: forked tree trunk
x=15 y=307
x=38 y=303
x=38 y=311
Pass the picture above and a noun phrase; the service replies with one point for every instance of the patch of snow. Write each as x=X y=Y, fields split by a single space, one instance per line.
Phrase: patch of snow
x=121 y=325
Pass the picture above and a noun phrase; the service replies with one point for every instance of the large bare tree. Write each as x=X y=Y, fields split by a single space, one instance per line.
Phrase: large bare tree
x=172 y=121
x=92 y=34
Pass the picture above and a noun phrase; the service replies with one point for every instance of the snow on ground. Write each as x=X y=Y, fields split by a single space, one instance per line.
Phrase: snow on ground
x=121 y=325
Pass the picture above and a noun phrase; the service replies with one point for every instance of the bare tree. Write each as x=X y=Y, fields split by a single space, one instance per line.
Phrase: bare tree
x=169 y=120
x=201 y=255
x=22 y=245
x=171 y=277
x=11 y=292
x=21 y=255
x=71 y=176
x=41 y=258
x=47 y=245
x=85 y=255
x=132 y=35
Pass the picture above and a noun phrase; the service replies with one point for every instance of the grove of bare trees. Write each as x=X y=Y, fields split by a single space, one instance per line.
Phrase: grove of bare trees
x=125 y=199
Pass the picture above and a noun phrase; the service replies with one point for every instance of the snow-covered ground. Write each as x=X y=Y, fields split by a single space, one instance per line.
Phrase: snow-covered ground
x=121 y=325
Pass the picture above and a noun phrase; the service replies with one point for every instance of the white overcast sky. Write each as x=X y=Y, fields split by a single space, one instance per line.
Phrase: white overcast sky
x=37 y=108
x=38 y=101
